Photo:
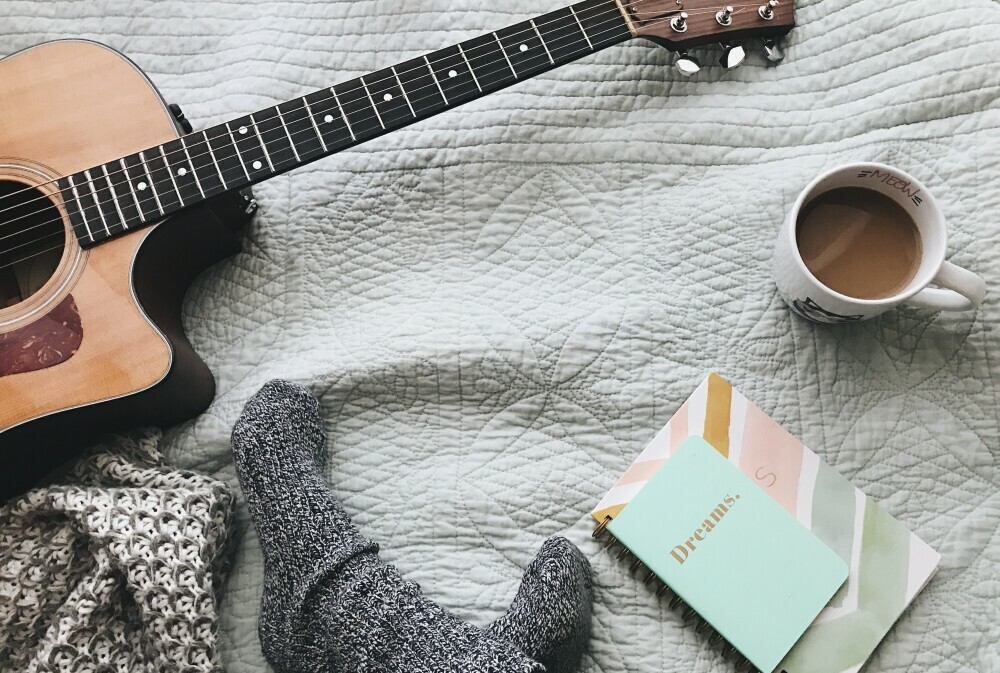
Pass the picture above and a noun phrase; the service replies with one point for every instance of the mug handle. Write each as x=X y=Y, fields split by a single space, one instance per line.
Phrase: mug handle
x=960 y=290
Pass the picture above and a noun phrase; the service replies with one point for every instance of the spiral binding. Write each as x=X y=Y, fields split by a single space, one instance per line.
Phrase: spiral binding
x=701 y=626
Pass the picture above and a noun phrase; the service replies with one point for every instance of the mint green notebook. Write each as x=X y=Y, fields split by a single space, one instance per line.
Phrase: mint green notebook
x=732 y=553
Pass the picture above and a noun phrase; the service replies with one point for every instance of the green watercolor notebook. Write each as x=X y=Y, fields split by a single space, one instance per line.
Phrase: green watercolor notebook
x=729 y=551
x=888 y=564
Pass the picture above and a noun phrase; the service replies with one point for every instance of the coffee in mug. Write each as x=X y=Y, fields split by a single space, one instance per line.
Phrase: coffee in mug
x=859 y=243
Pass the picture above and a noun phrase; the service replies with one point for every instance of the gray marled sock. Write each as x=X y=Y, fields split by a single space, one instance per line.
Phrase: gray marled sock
x=330 y=604
x=550 y=616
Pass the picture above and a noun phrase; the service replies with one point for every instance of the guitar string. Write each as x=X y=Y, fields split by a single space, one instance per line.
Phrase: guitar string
x=234 y=170
x=433 y=88
x=609 y=11
x=125 y=221
x=613 y=13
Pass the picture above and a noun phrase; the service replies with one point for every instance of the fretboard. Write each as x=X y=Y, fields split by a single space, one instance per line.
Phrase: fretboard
x=108 y=200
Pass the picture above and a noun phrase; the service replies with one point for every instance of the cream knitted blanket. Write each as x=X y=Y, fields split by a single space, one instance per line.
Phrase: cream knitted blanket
x=115 y=570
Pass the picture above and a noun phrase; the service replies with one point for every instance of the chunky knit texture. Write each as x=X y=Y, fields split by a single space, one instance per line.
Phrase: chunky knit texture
x=330 y=604
x=116 y=570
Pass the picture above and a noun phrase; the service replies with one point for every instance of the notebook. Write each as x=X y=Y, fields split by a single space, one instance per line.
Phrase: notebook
x=732 y=553
x=887 y=564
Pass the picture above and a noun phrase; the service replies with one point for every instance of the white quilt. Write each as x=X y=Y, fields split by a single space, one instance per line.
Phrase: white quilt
x=500 y=306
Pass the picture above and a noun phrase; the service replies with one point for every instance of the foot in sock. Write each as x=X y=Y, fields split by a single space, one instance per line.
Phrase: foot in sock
x=330 y=604
x=550 y=616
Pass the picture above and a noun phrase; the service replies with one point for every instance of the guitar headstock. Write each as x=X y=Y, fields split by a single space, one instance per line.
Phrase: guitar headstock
x=683 y=24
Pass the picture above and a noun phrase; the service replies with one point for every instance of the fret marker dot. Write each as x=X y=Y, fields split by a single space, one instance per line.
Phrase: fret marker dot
x=243 y=130
x=257 y=165
x=524 y=47
x=328 y=118
x=182 y=171
x=141 y=186
x=387 y=97
x=452 y=73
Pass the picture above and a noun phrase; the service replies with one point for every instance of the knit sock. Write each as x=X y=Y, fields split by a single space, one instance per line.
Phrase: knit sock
x=330 y=604
x=549 y=619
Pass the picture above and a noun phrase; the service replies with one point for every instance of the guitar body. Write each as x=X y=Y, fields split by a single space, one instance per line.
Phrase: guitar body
x=99 y=345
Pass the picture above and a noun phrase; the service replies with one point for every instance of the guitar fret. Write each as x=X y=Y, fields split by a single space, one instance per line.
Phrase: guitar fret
x=312 y=118
x=152 y=187
x=238 y=154
x=525 y=51
x=329 y=119
x=454 y=76
x=547 y=52
x=256 y=130
x=418 y=77
x=191 y=163
x=79 y=207
x=211 y=153
x=343 y=114
x=162 y=177
x=401 y=88
x=135 y=197
x=88 y=206
x=506 y=57
x=587 y=37
x=170 y=172
x=105 y=201
x=148 y=208
x=127 y=208
x=97 y=201
x=181 y=174
x=469 y=66
x=289 y=135
x=561 y=35
x=386 y=95
x=372 y=101
x=114 y=197
x=486 y=55
x=73 y=209
x=302 y=136
x=436 y=81
x=248 y=143
x=275 y=147
x=606 y=25
x=356 y=104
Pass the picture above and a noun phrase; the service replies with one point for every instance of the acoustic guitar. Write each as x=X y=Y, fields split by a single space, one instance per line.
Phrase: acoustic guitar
x=110 y=205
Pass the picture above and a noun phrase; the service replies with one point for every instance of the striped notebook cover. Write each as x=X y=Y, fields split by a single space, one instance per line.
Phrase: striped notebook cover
x=888 y=564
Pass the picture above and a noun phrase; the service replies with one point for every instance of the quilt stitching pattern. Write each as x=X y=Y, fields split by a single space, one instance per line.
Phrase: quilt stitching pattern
x=499 y=306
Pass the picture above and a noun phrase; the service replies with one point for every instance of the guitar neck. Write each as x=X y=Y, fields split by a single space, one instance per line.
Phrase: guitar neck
x=127 y=193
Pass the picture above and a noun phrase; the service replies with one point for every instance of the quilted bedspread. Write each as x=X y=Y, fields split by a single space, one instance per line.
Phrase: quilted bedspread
x=498 y=307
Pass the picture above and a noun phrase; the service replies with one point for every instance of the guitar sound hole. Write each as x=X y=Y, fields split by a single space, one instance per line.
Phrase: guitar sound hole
x=32 y=238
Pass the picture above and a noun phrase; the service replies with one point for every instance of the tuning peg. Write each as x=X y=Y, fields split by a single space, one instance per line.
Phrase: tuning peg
x=732 y=56
x=767 y=11
x=686 y=64
x=679 y=23
x=775 y=54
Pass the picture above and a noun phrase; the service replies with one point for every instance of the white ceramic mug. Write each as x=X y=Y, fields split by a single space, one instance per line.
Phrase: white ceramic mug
x=957 y=289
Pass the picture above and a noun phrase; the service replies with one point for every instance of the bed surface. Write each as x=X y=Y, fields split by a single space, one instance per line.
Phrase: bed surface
x=500 y=306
